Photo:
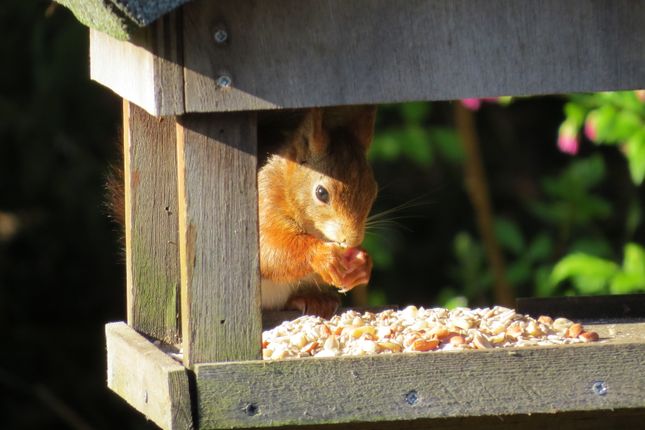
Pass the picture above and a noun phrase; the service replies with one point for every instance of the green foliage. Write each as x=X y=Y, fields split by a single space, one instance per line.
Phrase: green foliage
x=560 y=230
x=589 y=274
x=411 y=138
x=569 y=200
x=612 y=118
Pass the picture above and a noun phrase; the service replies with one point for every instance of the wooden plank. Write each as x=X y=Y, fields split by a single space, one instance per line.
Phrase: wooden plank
x=581 y=307
x=151 y=223
x=148 y=379
x=299 y=54
x=498 y=382
x=146 y=70
x=590 y=420
x=218 y=230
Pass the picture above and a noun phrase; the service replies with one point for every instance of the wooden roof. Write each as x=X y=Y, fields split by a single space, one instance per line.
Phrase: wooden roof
x=119 y=18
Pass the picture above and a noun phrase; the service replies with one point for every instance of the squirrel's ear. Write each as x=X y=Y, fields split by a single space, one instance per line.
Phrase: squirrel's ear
x=362 y=126
x=311 y=138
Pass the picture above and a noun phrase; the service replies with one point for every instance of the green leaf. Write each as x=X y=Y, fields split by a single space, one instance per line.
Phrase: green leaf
x=626 y=124
x=626 y=283
x=416 y=146
x=449 y=298
x=543 y=285
x=636 y=156
x=384 y=147
x=575 y=114
x=586 y=173
x=509 y=235
x=604 y=118
x=447 y=143
x=376 y=297
x=589 y=274
x=592 y=246
x=540 y=248
x=634 y=259
x=519 y=271
x=634 y=217
x=377 y=248
x=415 y=112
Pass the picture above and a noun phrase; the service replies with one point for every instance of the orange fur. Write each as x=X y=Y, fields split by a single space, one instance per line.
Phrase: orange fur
x=303 y=240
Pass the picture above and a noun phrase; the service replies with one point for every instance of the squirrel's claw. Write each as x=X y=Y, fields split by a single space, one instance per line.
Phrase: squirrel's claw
x=343 y=268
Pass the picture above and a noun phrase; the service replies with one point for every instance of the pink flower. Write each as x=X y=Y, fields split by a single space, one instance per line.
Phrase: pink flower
x=590 y=129
x=471 y=104
x=475 y=104
x=568 y=143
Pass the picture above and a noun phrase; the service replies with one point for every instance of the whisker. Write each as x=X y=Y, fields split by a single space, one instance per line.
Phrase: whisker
x=416 y=202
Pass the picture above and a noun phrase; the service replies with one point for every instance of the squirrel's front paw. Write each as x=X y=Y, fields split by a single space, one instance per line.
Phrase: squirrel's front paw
x=314 y=303
x=341 y=267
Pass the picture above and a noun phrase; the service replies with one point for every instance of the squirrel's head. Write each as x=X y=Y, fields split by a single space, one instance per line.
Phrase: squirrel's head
x=331 y=184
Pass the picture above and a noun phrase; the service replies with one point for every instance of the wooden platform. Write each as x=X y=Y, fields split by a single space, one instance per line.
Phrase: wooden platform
x=435 y=390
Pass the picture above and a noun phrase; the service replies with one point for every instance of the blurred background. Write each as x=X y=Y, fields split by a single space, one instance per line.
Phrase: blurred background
x=481 y=201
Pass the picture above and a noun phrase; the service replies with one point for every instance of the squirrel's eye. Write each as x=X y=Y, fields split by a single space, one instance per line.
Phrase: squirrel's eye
x=322 y=194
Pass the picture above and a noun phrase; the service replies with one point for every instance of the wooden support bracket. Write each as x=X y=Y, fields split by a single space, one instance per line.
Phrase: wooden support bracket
x=147 y=378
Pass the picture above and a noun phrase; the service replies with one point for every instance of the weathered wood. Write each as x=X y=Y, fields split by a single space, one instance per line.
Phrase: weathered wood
x=599 y=376
x=591 y=420
x=311 y=53
x=147 y=70
x=218 y=230
x=148 y=379
x=589 y=307
x=151 y=223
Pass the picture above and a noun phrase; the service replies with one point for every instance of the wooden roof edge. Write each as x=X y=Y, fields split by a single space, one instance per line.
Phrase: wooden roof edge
x=119 y=18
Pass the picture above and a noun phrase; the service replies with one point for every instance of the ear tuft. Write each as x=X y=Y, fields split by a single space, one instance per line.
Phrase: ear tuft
x=362 y=126
x=310 y=135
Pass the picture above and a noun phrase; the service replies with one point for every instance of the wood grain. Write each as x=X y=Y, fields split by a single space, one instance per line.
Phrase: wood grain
x=295 y=53
x=218 y=225
x=146 y=70
x=148 y=379
x=151 y=224
x=386 y=388
x=590 y=420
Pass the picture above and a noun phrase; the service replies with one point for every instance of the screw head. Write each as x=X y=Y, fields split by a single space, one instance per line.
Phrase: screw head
x=411 y=397
x=599 y=388
x=220 y=35
x=224 y=81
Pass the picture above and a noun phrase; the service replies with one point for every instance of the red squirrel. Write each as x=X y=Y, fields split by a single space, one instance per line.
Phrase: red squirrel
x=315 y=192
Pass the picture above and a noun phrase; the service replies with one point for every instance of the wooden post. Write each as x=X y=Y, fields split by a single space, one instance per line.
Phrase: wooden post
x=152 y=254
x=218 y=231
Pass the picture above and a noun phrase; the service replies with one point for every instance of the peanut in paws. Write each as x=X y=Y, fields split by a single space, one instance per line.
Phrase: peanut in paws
x=341 y=267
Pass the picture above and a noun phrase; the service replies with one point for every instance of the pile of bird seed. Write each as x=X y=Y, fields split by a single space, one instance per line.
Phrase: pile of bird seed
x=415 y=329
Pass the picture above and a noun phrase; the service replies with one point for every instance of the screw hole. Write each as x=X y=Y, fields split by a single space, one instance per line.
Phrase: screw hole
x=222 y=321
x=251 y=409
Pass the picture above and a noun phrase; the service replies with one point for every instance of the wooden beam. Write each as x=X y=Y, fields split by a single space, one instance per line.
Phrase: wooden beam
x=147 y=378
x=146 y=70
x=589 y=307
x=499 y=382
x=151 y=223
x=298 y=54
x=589 y=420
x=218 y=230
